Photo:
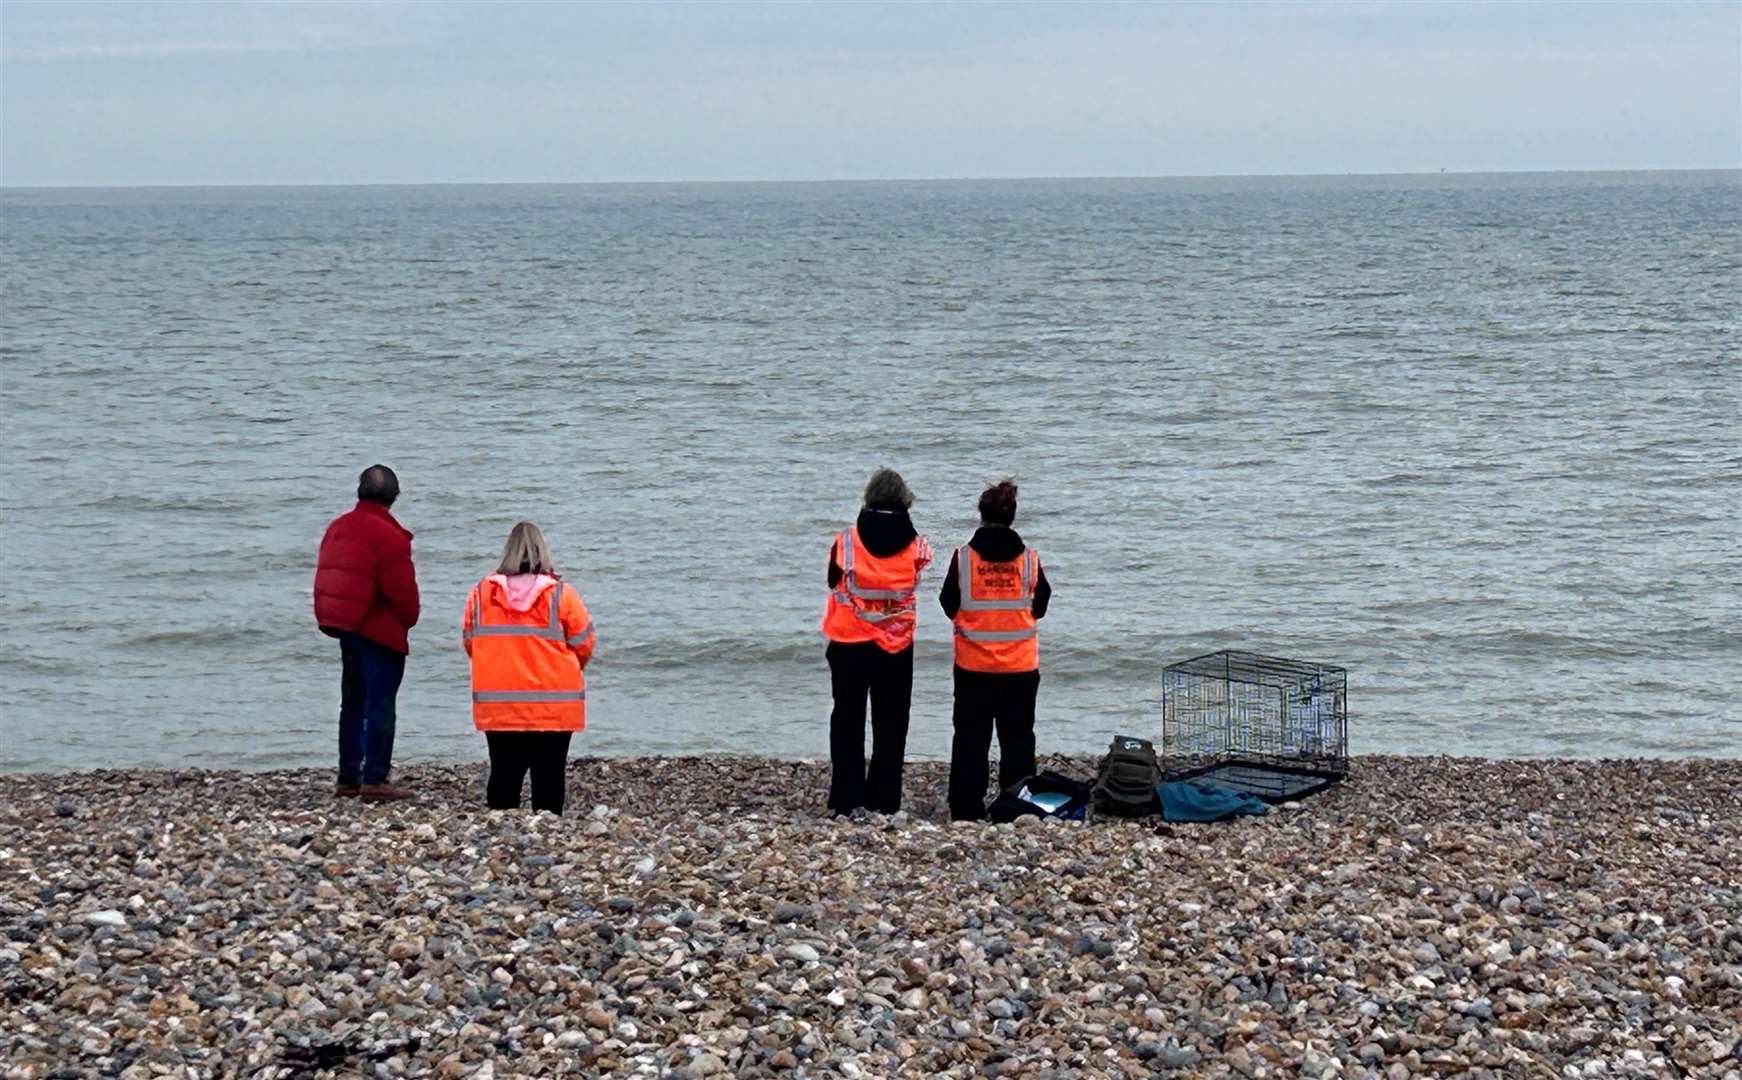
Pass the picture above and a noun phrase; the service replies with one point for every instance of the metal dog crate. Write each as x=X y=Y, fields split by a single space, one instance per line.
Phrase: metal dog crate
x=1274 y=728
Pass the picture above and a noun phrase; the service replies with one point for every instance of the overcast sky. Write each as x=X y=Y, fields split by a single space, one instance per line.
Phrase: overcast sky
x=141 y=93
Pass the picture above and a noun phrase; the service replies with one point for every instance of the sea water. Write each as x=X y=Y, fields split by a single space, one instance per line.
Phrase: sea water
x=1475 y=438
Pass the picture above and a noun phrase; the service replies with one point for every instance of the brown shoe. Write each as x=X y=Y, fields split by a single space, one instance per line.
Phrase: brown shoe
x=382 y=793
x=346 y=791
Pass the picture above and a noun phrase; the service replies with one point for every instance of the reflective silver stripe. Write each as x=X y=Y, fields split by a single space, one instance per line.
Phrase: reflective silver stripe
x=850 y=579
x=840 y=593
x=581 y=638
x=997 y=635
x=849 y=590
x=965 y=583
x=477 y=612
x=879 y=594
x=881 y=616
x=551 y=631
x=527 y=696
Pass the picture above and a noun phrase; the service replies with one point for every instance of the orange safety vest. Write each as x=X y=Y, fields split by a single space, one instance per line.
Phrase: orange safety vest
x=873 y=601
x=995 y=629
x=526 y=665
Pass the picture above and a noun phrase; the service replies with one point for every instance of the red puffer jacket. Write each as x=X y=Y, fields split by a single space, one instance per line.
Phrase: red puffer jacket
x=364 y=581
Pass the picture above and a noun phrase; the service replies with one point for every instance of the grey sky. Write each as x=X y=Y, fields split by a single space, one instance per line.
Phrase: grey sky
x=334 y=93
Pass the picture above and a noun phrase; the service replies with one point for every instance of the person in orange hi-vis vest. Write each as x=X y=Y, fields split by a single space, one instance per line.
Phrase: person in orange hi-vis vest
x=995 y=593
x=874 y=570
x=529 y=637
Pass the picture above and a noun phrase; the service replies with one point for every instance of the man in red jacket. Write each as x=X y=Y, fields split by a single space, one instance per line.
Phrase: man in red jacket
x=366 y=596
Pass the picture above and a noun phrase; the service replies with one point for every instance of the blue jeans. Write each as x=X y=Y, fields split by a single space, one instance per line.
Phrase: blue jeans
x=366 y=715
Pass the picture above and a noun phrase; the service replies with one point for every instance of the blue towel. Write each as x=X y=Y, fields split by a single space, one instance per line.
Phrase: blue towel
x=1188 y=800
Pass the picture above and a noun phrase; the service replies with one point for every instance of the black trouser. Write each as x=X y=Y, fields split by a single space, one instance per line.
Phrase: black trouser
x=513 y=754
x=855 y=671
x=985 y=701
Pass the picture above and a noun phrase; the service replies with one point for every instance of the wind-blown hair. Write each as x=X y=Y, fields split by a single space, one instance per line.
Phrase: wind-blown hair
x=526 y=552
x=998 y=503
x=886 y=490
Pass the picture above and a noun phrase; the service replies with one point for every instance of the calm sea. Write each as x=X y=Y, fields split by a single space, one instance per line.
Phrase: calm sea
x=1477 y=438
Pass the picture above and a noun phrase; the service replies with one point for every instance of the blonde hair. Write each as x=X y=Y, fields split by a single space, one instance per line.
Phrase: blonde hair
x=526 y=552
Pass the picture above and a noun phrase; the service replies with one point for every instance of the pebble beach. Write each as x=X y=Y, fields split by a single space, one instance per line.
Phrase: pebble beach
x=702 y=916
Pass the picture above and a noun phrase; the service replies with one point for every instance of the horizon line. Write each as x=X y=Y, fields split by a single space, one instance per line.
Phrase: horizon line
x=862 y=180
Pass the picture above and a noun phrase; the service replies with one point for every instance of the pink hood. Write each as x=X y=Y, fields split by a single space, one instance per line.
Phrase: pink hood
x=522 y=590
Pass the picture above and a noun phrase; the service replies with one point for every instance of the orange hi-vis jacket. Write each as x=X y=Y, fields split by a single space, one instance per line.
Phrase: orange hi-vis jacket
x=873 y=601
x=527 y=657
x=995 y=626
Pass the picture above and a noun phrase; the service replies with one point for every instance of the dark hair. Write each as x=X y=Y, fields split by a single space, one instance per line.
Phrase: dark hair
x=378 y=484
x=998 y=503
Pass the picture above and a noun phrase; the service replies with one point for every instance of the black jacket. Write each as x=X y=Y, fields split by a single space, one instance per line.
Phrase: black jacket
x=883 y=532
x=994 y=543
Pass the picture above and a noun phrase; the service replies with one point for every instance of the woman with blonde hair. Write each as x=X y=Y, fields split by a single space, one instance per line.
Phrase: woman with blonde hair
x=529 y=637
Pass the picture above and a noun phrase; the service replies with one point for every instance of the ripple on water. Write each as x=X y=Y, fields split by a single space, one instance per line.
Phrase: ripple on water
x=1511 y=511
